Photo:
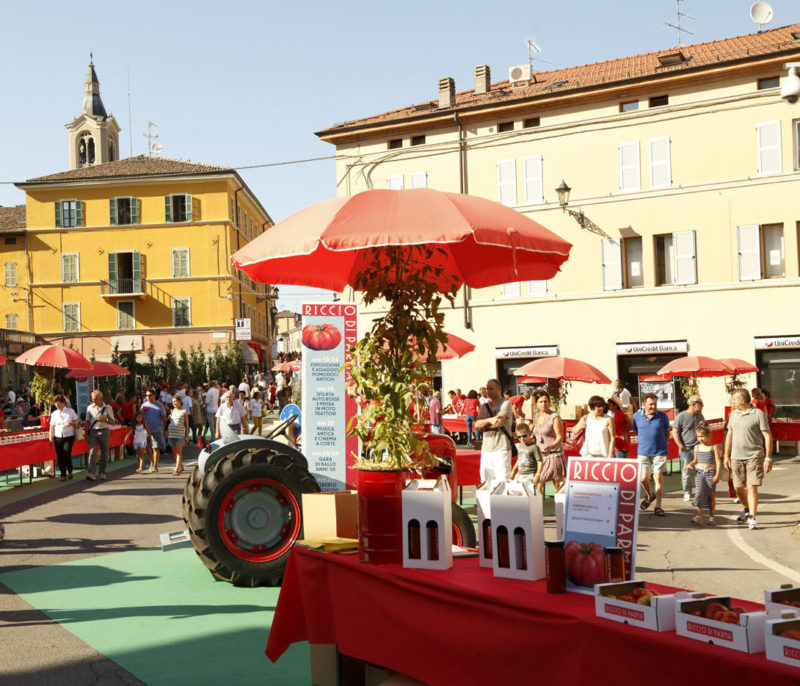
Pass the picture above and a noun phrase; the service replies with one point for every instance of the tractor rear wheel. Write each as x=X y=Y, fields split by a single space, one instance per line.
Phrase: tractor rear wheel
x=463 y=528
x=245 y=514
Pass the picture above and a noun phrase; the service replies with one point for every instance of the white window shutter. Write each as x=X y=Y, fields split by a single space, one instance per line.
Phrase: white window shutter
x=749 y=238
x=537 y=289
x=418 y=179
x=394 y=182
x=511 y=290
x=507 y=182
x=660 y=163
x=612 y=264
x=532 y=169
x=769 y=147
x=629 y=175
x=685 y=257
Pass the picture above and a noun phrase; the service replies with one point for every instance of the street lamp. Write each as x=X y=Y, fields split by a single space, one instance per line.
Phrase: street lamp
x=584 y=222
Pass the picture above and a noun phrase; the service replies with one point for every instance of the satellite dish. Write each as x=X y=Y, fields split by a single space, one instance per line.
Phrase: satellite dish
x=761 y=13
x=157 y=148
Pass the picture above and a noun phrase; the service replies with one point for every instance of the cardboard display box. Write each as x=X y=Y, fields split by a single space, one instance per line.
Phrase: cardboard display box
x=659 y=615
x=747 y=636
x=779 y=648
x=427 y=524
x=330 y=515
x=517 y=527
x=483 y=497
x=779 y=599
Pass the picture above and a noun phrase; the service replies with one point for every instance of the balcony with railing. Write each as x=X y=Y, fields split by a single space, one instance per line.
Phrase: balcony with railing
x=119 y=288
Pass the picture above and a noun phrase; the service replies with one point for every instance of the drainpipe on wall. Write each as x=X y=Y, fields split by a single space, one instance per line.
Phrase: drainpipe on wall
x=236 y=224
x=28 y=291
x=463 y=184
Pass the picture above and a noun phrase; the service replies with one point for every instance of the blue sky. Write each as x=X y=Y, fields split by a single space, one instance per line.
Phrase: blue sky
x=243 y=83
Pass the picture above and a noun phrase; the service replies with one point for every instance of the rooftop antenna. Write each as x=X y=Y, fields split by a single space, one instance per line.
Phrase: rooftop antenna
x=761 y=13
x=533 y=47
x=678 y=26
x=153 y=146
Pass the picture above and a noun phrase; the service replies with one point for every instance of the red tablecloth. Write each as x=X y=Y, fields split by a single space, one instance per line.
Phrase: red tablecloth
x=13 y=455
x=464 y=626
x=785 y=431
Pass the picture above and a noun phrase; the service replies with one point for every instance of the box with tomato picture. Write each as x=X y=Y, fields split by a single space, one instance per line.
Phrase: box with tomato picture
x=787 y=597
x=631 y=602
x=782 y=637
x=713 y=619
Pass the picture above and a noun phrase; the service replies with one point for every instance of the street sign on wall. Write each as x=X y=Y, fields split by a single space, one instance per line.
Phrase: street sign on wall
x=243 y=332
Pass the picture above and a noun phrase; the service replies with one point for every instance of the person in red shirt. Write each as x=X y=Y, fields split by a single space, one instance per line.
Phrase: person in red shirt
x=516 y=404
x=471 y=407
x=761 y=401
x=128 y=410
x=621 y=427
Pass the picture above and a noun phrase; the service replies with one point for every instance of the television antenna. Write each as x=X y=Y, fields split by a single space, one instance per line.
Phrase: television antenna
x=761 y=13
x=534 y=49
x=678 y=27
x=153 y=146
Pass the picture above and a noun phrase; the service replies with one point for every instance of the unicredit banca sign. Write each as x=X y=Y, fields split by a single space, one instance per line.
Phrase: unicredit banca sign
x=653 y=348
x=777 y=342
x=530 y=351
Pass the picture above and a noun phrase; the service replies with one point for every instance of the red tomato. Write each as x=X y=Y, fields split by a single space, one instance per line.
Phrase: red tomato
x=321 y=336
x=585 y=564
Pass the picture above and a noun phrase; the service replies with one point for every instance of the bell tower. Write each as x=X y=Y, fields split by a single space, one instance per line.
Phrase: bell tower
x=94 y=134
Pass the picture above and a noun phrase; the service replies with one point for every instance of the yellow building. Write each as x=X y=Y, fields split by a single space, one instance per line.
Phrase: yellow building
x=136 y=252
x=685 y=161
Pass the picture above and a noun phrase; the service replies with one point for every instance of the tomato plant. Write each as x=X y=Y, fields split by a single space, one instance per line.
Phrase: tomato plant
x=321 y=336
x=585 y=563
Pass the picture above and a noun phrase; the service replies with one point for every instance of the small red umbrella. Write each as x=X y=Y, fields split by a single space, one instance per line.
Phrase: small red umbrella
x=656 y=377
x=54 y=356
x=738 y=366
x=565 y=368
x=477 y=242
x=696 y=366
x=287 y=367
x=455 y=347
x=98 y=369
x=531 y=379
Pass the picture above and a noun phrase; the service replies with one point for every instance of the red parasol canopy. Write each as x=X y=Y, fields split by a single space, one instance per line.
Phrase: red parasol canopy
x=98 y=369
x=696 y=366
x=455 y=347
x=565 y=368
x=480 y=242
x=295 y=366
x=656 y=377
x=531 y=379
x=54 y=356
x=738 y=366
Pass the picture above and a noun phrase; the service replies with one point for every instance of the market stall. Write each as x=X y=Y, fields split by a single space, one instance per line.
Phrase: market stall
x=466 y=626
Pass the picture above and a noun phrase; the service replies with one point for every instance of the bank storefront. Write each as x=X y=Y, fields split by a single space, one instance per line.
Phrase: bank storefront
x=509 y=359
x=638 y=363
x=778 y=362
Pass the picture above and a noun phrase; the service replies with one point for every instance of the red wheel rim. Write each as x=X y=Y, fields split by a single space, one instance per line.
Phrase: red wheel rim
x=259 y=520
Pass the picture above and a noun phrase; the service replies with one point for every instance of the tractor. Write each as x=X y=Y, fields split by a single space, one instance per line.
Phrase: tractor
x=243 y=501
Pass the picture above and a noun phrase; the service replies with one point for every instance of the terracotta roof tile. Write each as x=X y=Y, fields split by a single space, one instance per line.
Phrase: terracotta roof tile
x=142 y=165
x=584 y=76
x=12 y=219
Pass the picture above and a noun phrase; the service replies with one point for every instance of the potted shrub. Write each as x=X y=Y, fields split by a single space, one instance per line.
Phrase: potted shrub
x=386 y=370
x=42 y=391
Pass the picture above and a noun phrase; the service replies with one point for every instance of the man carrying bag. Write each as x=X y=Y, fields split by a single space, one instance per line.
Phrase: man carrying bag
x=99 y=419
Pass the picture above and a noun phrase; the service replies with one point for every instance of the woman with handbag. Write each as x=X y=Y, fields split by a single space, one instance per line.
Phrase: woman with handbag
x=549 y=431
x=178 y=432
x=63 y=423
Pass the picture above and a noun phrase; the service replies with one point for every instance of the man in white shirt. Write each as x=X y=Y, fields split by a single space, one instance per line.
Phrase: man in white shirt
x=262 y=382
x=166 y=397
x=212 y=403
x=622 y=393
x=244 y=386
x=231 y=414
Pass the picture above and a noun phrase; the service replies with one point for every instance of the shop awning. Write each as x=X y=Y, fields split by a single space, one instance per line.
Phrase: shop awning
x=250 y=356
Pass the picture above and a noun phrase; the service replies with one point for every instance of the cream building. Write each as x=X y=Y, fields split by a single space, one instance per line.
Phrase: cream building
x=687 y=160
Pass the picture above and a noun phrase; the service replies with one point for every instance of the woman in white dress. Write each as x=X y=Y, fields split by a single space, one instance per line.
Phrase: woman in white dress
x=598 y=430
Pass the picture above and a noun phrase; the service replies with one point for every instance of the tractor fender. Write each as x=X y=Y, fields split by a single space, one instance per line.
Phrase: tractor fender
x=221 y=449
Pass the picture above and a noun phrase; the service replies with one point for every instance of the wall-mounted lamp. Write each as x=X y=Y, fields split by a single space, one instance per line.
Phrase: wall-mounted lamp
x=584 y=222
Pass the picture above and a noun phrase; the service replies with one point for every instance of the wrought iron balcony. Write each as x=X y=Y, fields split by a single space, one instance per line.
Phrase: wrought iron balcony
x=116 y=288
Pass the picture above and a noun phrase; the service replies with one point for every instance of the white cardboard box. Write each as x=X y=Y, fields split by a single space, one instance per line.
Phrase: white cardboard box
x=772 y=599
x=560 y=501
x=778 y=648
x=483 y=497
x=428 y=512
x=517 y=517
x=658 y=616
x=747 y=636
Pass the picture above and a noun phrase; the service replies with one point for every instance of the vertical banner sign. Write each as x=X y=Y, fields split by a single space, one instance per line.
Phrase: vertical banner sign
x=329 y=330
x=602 y=510
x=83 y=390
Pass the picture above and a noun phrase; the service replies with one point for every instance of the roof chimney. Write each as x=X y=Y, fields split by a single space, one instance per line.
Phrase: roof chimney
x=447 y=92
x=483 y=78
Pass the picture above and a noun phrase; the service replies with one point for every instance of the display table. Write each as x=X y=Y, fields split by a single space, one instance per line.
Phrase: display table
x=788 y=430
x=463 y=626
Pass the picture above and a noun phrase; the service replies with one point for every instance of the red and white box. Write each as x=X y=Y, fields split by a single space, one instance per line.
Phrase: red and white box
x=655 y=614
x=517 y=525
x=746 y=635
x=427 y=524
x=483 y=497
x=785 y=598
x=783 y=648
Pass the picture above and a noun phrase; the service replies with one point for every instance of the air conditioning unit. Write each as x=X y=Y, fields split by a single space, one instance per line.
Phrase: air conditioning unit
x=521 y=72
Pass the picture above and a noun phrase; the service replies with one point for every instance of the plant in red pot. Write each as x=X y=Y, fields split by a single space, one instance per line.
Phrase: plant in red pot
x=42 y=391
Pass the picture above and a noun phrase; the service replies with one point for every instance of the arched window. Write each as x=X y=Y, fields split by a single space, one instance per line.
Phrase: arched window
x=91 y=150
x=111 y=151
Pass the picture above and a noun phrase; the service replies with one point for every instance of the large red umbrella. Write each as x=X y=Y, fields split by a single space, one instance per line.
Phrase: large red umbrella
x=455 y=347
x=738 y=366
x=565 y=368
x=98 y=369
x=477 y=242
x=656 y=377
x=531 y=379
x=54 y=356
x=698 y=365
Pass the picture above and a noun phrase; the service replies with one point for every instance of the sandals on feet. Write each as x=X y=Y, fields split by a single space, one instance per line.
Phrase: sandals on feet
x=659 y=511
x=696 y=521
x=648 y=499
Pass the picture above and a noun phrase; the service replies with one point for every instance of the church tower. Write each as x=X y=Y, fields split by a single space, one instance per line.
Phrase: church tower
x=93 y=135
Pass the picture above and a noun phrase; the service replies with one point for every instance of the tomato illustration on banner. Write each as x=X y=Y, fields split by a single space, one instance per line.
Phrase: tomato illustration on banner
x=585 y=563
x=321 y=336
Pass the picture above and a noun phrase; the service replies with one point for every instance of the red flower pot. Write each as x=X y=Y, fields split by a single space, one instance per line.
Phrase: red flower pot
x=380 y=515
x=44 y=420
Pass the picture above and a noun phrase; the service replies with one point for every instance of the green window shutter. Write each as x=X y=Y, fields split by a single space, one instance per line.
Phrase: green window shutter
x=168 y=208
x=136 y=261
x=112 y=272
x=79 y=213
x=188 y=207
x=58 y=214
x=134 y=211
x=112 y=211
